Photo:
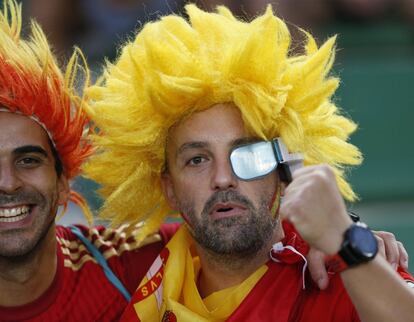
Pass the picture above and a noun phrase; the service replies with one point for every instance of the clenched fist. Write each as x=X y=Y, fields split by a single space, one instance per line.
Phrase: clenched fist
x=313 y=204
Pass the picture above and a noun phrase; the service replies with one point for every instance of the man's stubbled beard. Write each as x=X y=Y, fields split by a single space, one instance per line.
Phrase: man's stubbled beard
x=11 y=245
x=239 y=236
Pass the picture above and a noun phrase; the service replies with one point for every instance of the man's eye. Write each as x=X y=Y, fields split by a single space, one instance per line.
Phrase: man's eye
x=28 y=162
x=196 y=160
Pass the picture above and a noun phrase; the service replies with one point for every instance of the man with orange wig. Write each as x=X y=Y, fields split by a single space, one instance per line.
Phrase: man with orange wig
x=49 y=272
x=212 y=119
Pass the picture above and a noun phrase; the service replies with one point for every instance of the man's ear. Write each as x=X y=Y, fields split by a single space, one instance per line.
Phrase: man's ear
x=63 y=190
x=168 y=190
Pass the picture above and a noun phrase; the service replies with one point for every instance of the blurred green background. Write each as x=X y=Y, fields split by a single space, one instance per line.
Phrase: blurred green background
x=376 y=66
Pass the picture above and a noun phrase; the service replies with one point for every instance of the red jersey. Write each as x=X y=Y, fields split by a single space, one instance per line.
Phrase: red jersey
x=80 y=290
x=279 y=296
x=284 y=292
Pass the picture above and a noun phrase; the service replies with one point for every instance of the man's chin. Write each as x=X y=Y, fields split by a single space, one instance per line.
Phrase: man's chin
x=234 y=236
x=17 y=252
x=230 y=243
x=236 y=252
x=233 y=223
x=22 y=243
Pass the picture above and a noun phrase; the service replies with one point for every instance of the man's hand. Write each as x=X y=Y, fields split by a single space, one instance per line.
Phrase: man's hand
x=389 y=248
x=313 y=204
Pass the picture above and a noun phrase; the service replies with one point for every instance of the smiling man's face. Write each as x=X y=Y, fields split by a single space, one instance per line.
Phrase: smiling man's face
x=30 y=189
x=227 y=216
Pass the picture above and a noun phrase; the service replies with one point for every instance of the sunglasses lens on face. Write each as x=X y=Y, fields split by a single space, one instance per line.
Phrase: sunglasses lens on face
x=253 y=160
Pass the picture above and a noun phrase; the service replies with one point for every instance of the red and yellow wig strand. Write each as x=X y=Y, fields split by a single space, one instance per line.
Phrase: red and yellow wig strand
x=32 y=84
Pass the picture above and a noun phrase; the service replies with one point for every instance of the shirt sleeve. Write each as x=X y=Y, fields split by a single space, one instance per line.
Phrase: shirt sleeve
x=408 y=278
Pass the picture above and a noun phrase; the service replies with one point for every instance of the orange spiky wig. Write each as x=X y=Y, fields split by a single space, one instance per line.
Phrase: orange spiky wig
x=32 y=84
x=175 y=67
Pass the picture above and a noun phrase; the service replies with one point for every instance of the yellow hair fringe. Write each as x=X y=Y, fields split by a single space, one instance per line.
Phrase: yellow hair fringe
x=174 y=68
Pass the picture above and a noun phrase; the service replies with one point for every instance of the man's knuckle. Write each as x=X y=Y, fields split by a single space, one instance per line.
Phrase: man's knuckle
x=380 y=242
x=389 y=236
x=327 y=170
x=324 y=175
x=319 y=178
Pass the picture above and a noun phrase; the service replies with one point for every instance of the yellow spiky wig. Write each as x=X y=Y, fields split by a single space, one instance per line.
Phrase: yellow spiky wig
x=174 y=68
x=32 y=84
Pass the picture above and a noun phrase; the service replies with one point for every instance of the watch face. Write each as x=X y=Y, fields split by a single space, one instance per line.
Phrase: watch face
x=363 y=242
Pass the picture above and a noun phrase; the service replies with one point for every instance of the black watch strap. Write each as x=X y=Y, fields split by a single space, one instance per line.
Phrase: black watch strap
x=359 y=246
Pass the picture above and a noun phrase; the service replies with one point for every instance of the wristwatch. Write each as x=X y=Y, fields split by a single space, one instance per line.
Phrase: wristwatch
x=359 y=246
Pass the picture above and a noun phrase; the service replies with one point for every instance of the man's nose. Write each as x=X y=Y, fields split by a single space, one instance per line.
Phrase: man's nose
x=9 y=180
x=223 y=177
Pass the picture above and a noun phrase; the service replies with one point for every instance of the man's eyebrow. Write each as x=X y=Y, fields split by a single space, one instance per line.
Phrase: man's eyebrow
x=30 y=149
x=191 y=145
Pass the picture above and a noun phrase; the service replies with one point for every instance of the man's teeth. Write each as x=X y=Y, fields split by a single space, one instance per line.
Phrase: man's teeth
x=13 y=214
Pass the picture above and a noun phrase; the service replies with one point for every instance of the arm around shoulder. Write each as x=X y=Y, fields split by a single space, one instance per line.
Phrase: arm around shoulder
x=378 y=292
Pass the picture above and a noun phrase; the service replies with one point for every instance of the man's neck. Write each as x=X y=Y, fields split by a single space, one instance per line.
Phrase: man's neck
x=218 y=273
x=23 y=281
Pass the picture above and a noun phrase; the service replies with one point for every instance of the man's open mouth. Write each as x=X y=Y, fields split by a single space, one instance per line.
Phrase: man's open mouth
x=222 y=210
x=14 y=213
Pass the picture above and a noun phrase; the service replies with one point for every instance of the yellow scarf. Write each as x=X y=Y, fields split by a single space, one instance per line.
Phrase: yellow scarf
x=169 y=290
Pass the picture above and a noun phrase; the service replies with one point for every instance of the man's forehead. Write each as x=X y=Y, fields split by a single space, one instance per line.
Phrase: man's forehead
x=219 y=123
x=19 y=130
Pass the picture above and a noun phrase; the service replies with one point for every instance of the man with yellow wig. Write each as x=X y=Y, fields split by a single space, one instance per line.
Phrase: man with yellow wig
x=50 y=272
x=212 y=119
